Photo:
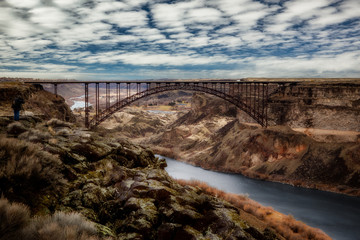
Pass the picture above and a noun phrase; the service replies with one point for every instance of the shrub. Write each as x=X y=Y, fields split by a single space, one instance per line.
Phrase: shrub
x=15 y=224
x=26 y=170
x=63 y=132
x=61 y=226
x=16 y=128
x=35 y=136
x=54 y=122
x=13 y=218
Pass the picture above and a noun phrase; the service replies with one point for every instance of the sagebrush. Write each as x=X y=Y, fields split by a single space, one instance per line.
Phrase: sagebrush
x=16 y=224
x=26 y=170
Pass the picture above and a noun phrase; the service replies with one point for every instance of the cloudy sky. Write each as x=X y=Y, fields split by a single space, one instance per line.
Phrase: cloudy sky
x=145 y=39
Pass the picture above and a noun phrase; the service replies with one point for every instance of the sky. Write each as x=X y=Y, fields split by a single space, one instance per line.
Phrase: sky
x=144 y=39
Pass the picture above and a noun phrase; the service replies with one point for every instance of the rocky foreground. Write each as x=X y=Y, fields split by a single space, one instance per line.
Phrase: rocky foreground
x=121 y=189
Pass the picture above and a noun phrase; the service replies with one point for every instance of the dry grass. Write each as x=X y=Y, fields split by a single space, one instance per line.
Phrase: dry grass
x=26 y=170
x=16 y=128
x=13 y=218
x=61 y=226
x=58 y=123
x=285 y=225
x=35 y=136
x=16 y=224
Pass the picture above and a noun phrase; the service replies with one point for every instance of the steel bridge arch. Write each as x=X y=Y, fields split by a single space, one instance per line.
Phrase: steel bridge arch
x=254 y=106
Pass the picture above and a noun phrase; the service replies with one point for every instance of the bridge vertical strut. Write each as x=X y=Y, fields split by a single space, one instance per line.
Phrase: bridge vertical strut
x=117 y=93
x=107 y=95
x=266 y=112
x=97 y=96
x=87 y=105
x=128 y=90
x=55 y=89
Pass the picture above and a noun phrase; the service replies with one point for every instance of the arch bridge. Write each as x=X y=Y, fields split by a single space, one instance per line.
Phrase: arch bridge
x=249 y=96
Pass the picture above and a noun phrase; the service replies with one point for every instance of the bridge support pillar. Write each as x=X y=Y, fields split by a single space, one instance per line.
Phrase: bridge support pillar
x=87 y=110
x=55 y=89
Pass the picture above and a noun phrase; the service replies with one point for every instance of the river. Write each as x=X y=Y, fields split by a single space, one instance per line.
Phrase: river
x=337 y=215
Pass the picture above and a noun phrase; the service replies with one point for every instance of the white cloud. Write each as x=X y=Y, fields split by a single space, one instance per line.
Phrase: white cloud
x=199 y=41
x=29 y=44
x=187 y=32
x=301 y=9
x=234 y=7
x=183 y=35
x=82 y=34
x=49 y=17
x=154 y=59
x=13 y=26
x=331 y=15
x=110 y=6
x=41 y=67
x=148 y=34
x=136 y=3
x=168 y=16
x=246 y=13
x=228 y=41
x=295 y=12
x=24 y=3
x=249 y=19
x=128 y=19
x=203 y=15
x=342 y=63
x=127 y=38
x=68 y=3
x=318 y=14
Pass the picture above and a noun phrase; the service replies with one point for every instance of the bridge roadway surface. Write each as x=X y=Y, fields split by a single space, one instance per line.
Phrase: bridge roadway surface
x=249 y=96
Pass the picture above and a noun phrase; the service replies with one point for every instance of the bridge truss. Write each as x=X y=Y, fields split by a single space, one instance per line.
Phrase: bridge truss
x=250 y=97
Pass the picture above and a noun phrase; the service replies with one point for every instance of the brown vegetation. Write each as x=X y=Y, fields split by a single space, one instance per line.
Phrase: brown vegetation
x=26 y=170
x=16 y=128
x=13 y=218
x=285 y=225
x=15 y=224
x=70 y=226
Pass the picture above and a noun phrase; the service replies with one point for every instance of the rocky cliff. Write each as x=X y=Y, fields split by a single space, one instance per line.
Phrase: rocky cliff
x=38 y=102
x=317 y=104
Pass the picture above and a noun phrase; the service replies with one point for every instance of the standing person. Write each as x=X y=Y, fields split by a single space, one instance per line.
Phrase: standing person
x=17 y=106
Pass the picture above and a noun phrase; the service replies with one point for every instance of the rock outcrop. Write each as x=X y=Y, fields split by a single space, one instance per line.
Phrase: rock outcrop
x=118 y=186
x=327 y=104
x=38 y=102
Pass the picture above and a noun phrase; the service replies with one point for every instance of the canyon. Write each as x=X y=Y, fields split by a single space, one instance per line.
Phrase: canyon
x=62 y=181
x=315 y=150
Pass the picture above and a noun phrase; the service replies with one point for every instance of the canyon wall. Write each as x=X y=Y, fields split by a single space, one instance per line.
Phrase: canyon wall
x=206 y=137
x=324 y=105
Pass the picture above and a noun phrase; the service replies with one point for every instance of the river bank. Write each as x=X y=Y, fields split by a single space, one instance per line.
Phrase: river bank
x=337 y=215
